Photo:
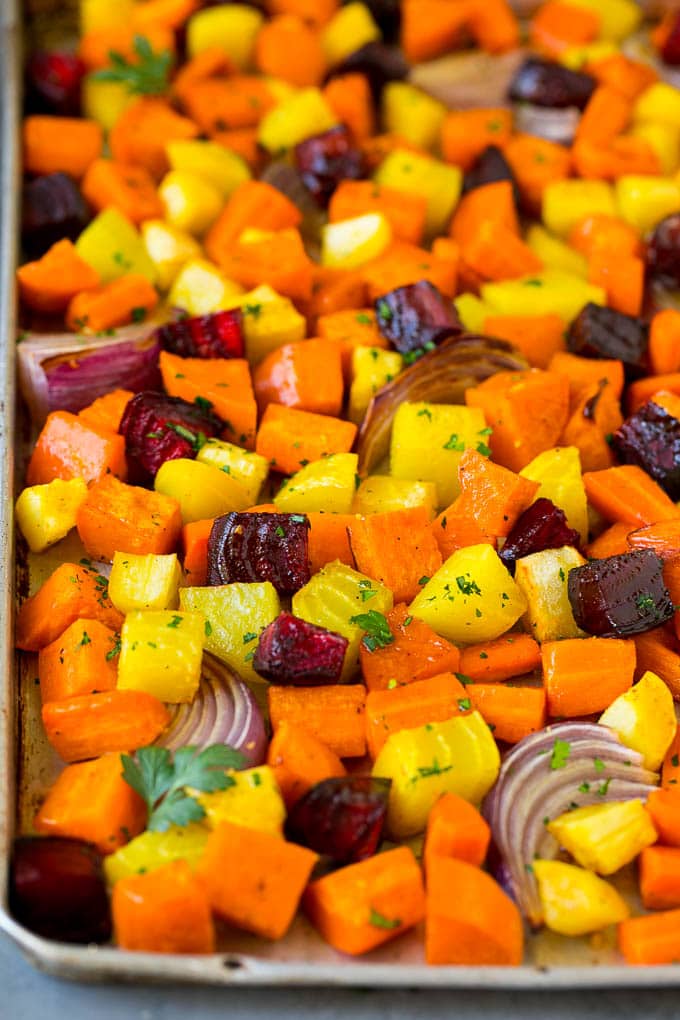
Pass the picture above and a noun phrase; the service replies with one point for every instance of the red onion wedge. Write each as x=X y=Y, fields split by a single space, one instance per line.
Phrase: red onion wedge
x=441 y=376
x=224 y=711
x=566 y=765
x=467 y=80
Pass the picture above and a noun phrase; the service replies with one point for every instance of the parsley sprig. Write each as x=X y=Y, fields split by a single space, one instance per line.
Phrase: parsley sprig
x=162 y=780
x=147 y=76
x=377 y=633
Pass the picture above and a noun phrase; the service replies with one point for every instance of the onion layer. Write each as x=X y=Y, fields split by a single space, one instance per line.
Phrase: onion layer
x=224 y=711
x=531 y=788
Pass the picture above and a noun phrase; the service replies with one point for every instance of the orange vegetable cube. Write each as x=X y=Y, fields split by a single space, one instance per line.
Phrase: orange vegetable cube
x=164 y=911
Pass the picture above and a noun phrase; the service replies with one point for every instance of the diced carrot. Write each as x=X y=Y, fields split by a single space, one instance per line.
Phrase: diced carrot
x=278 y=259
x=612 y=542
x=622 y=278
x=660 y=877
x=359 y=907
x=556 y=26
x=116 y=517
x=82 y=660
x=670 y=769
x=454 y=529
x=287 y=436
x=538 y=337
x=254 y=204
x=195 y=537
x=242 y=141
x=143 y=130
x=466 y=133
x=584 y=373
x=130 y=298
x=329 y=539
x=353 y=327
x=68 y=447
x=664 y=342
x=128 y=188
x=90 y=725
x=599 y=233
x=106 y=411
x=409 y=706
x=506 y=657
x=657 y=651
x=165 y=910
x=512 y=713
x=662 y=538
x=69 y=593
x=232 y=103
x=396 y=548
x=489 y=203
x=333 y=713
x=168 y=14
x=492 y=495
x=282 y=36
x=536 y=163
x=402 y=264
x=306 y=375
x=95 y=46
x=404 y=212
x=664 y=807
x=653 y=939
x=627 y=494
x=496 y=253
x=606 y=115
x=415 y=654
x=316 y=12
x=642 y=390
x=254 y=880
x=92 y=801
x=596 y=416
x=584 y=675
x=49 y=283
x=430 y=28
x=333 y=290
x=494 y=25
x=60 y=144
x=300 y=760
x=349 y=97
x=629 y=77
x=455 y=828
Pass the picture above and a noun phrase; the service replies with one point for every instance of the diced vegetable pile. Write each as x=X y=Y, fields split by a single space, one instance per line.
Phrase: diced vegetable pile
x=351 y=336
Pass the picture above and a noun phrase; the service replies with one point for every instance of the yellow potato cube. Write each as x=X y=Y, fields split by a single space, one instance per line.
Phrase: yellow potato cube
x=104 y=101
x=664 y=140
x=306 y=113
x=412 y=114
x=559 y=473
x=472 y=312
x=200 y=288
x=253 y=801
x=201 y=490
x=349 y=244
x=101 y=15
x=327 y=484
x=232 y=27
x=372 y=368
x=379 y=494
x=169 y=249
x=269 y=321
x=144 y=582
x=549 y=292
x=658 y=104
x=456 y=756
x=428 y=441
x=575 y=901
x=235 y=616
x=543 y=578
x=152 y=850
x=471 y=598
x=221 y=167
x=114 y=247
x=46 y=513
x=644 y=718
x=643 y=201
x=555 y=254
x=605 y=837
x=161 y=653
x=191 y=202
x=248 y=468
x=439 y=182
x=567 y=202
x=350 y=28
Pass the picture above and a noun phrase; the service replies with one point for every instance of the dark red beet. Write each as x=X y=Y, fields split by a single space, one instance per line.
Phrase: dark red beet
x=159 y=428
x=545 y=83
x=650 y=438
x=599 y=332
x=620 y=595
x=670 y=51
x=295 y=652
x=342 y=818
x=53 y=83
x=490 y=167
x=663 y=251
x=416 y=317
x=218 y=335
x=542 y=526
x=326 y=159
x=57 y=889
x=260 y=547
x=378 y=62
x=52 y=208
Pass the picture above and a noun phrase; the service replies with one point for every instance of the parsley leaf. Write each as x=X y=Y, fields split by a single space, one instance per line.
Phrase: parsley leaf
x=146 y=76
x=379 y=920
x=377 y=633
x=560 y=754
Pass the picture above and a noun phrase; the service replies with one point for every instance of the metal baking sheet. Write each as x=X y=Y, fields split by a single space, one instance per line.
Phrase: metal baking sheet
x=27 y=763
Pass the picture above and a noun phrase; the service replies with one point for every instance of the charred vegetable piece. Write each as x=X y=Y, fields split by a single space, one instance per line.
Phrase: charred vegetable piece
x=542 y=526
x=387 y=15
x=599 y=332
x=670 y=51
x=380 y=63
x=52 y=208
x=490 y=167
x=293 y=651
x=544 y=83
x=663 y=251
x=416 y=318
x=260 y=547
x=218 y=335
x=620 y=595
x=341 y=817
x=159 y=428
x=650 y=438
x=53 y=82
x=326 y=159
x=57 y=889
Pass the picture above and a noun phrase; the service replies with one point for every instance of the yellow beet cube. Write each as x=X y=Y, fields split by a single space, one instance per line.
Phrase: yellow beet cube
x=543 y=578
x=644 y=718
x=664 y=140
x=248 y=468
x=200 y=288
x=559 y=473
x=327 y=484
x=412 y=114
x=567 y=202
x=439 y=182
x=152 y=850
x=306 y=113
x=618 y=18
x=472 y=312
x=191 y=202
x=253 y=800
x=575 y=901
x=643 y=201
x=231 y=27
x=378 y=494
x=605 y=837
x=104 y=101
x=350 y=28
x=555 y=254
x=169 y=248
x=161 y=652
x=114 y=247
x=550 y=292
x=349 y=244
x=372 y=368
x=46 y=513
x=144 y=582
x=201 y=490
x=221 y=167
x=658 y=104
x=269 y=321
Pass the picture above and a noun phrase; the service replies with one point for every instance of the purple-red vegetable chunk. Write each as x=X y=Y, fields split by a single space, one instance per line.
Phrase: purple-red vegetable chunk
x=379 y=63
x=545 y=83
x=416 y=318
x=293 y=651
x=326 y=159
x=218 y=335
x=663 y=249
x=52 y=209
x=53 y=83
x=670 y=50
x=542 y=526
x=620 y=595
x=490 y=167
x=260 y=547
x=342 y=818
x=650 y=438
x=599 y=332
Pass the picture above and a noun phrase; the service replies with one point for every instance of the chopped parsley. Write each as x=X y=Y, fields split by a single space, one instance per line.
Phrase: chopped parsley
x=454 y=443
x=85 y=639
x=464 y=704
x=560 y=754
x=377 y=633
x=379 y=920
x=175 y=622
x=467 y=586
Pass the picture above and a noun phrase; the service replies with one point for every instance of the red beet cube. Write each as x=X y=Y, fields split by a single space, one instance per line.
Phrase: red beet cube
x=260 y=547
x=293 y=651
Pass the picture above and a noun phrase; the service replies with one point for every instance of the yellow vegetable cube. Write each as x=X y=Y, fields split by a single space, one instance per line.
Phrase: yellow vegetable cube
x=412 y=114
x=550 y=292
x=152 y=850
x=576 y=57
x=444 y=431
x=46 y=513
x=333 y=598
x=659 y=104
x=456 y=756
x=234 y=613
x=201 y=490
x=618 y=18
x=559 y=473
x=191 y=202
x=439 y=182
x=269 y=321
x=114 y=247
x=664 y=140
x=161 y=653
x=248 y=468
x=543 y=578
x=253 y=801
x=575 y=901
x=472 y=312
x=144 y=582
x=327 y=484
x=372 y=368
x=644 y=718
x=232 y=27
x=555 y=254
x=200 y=288
x=221 y=167
x=306 y=113
x=605 y=837
x=379 y=494
x=567 y=202
x=350 y=28
x=471 y=598
x=349 y=244
x=169 y=249
x=102 y=15
x=643 y=201
x=104 y=101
